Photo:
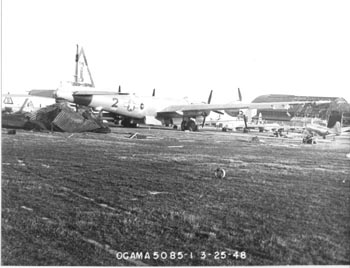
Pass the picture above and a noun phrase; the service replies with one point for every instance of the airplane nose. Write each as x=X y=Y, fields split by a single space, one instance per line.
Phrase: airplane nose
x=64 y=95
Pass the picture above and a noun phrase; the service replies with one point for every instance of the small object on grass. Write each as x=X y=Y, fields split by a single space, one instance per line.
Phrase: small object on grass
x=27 y=208
x=220 y=173
x=133 y=135
x=11 y=132
x=137 y=136
x=255 y=139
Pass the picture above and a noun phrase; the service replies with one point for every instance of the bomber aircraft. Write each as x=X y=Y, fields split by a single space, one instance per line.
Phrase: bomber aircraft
x=150 y=110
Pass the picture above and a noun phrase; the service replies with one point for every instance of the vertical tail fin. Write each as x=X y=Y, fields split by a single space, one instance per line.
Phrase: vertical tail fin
x=333 y=123
x=81 y=68
x=337 y=128
x=333 y=118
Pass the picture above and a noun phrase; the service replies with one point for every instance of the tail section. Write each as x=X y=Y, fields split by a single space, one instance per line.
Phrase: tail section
x=336 y=129
x=82 y=75
x=236 y=112
x=334 y=122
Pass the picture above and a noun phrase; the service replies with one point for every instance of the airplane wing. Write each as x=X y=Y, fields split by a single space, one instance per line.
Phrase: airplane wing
x=48 y=93
x=197 y=108
x=89 y=92
x=51 y=93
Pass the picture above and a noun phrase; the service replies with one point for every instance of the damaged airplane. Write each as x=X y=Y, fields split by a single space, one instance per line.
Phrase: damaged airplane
x=150 y=110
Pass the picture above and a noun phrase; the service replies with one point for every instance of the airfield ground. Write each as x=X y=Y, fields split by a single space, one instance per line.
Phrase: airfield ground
x=82 y=199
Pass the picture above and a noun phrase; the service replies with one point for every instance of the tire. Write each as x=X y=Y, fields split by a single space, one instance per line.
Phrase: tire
x=183 y=125
x=192 y=126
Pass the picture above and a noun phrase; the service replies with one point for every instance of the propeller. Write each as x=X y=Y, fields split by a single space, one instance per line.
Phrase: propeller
x=119 y=89
x=245 y=121
x=205 y=114
x=209 y=99
x=239 y=95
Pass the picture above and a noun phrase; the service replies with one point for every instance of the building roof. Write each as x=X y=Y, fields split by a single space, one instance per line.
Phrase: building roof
x=309 y=110
x=286 y=98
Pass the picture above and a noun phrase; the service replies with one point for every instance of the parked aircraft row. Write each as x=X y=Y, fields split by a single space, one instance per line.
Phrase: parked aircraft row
x=133 y=109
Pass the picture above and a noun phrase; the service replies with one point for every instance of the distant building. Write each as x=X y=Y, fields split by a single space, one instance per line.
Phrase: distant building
x=337 y=110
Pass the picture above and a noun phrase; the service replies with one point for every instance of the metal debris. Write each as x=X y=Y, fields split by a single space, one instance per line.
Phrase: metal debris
x=137 y=136
x=220 y=173
x=56 y=117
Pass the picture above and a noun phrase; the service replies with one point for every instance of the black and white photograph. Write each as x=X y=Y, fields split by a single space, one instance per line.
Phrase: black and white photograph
x=175 y=133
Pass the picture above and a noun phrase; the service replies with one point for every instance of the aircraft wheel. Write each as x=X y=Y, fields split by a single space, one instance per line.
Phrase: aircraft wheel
x=192 y=126
x=125 y=123
x=183 y=125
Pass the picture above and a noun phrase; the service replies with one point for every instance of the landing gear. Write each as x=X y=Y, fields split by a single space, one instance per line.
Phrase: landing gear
x=189 y=124
x=128 y=123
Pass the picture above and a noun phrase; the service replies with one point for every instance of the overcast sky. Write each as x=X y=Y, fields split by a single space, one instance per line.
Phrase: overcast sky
x=181 y=48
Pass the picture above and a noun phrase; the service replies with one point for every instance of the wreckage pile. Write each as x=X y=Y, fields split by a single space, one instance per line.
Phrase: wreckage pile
x=60 y=117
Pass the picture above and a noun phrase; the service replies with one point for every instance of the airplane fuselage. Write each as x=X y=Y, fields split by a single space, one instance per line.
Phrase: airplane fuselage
x=143 y=109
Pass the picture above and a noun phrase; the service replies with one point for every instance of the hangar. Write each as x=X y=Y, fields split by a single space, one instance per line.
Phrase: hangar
x=337 y=110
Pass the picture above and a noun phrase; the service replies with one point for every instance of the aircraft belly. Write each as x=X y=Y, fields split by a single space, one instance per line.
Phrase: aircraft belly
x=82 y=99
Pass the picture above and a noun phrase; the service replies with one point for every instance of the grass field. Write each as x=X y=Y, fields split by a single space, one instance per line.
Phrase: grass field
x=84 y=199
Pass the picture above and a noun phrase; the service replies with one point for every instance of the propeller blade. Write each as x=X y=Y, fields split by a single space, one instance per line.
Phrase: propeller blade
x=203 y=121
x=209 y=99
x=245 y=121
x=119 y=90
x=239 y=95
x=154 y=92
